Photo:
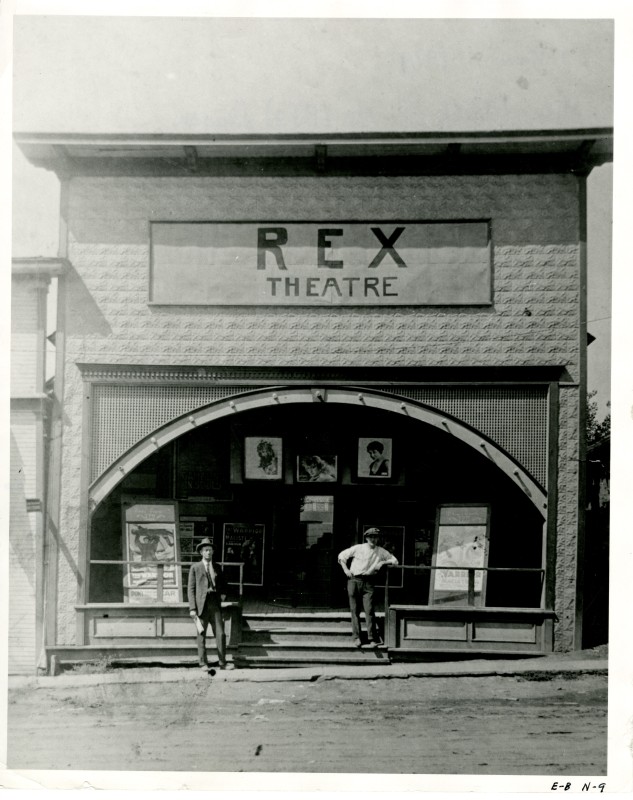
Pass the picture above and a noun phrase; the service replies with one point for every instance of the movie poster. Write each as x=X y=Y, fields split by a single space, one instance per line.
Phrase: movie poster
x=151 y=539
x=244 y=542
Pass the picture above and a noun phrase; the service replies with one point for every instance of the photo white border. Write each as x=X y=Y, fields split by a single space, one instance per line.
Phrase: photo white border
x=621 y=688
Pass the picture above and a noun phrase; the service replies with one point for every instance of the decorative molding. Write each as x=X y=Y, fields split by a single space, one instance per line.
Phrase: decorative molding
x=39 y=266
x=418 y=376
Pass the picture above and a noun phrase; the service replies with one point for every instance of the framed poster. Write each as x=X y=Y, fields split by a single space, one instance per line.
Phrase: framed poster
x=374 y=458
x=201 y=465
x=263 y=458
x=317 y=468
x=461 y=541
x=244 y=541
x=151 y=535
x=392 y=540
x=192 y=530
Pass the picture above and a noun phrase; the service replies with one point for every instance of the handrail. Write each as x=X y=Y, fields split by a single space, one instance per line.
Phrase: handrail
x=477 y=569
x=160 y=571
x=471 y=579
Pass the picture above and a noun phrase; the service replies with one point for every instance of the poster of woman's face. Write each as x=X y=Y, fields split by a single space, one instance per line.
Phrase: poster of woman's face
x=374 y=458
x=262 y=458
x=316 y=468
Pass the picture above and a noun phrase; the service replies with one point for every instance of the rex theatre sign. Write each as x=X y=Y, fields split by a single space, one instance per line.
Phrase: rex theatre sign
x=321 y=263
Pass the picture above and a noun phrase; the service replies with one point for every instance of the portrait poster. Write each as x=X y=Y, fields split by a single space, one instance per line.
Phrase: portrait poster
x=244 y=542
x=317 y=468
x=151 y=538
x=263 y=458
x=374 y=460
x=392 y=540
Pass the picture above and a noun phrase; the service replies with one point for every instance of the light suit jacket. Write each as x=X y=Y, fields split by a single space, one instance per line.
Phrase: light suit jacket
x=198 y=585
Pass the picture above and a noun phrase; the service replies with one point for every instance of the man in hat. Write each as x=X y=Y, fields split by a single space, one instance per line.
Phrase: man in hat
x=205 y=592
x=360 y=563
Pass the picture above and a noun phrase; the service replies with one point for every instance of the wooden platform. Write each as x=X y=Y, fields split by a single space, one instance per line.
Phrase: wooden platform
x=119 y=634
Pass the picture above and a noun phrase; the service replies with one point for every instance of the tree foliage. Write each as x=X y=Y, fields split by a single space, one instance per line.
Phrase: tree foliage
x=597 y=431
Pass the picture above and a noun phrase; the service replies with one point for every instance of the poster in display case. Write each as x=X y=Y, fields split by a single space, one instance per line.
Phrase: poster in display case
x=461 y=542
x=192 y=530
x=151 y=538
x=244 y=541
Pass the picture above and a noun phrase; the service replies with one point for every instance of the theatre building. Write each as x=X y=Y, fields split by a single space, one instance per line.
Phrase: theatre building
x=279 y=342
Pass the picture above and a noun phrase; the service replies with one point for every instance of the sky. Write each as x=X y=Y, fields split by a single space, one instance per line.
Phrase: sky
x=88 y=74
x=184 y=75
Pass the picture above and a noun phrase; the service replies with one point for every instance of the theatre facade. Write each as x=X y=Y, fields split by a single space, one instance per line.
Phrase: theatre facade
x=280 y=342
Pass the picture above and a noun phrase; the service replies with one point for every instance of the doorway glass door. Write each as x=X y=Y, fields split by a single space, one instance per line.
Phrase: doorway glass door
x=316 y=518
x=315 y=541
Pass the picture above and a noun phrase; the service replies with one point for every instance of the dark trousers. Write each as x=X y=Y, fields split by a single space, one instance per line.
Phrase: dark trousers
x=212 y=613
x=361 y=594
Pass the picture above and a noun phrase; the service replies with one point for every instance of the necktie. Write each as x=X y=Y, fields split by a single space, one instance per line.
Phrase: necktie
x=209 y=578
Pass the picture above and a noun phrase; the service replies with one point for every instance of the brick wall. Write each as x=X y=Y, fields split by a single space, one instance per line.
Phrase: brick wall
x=534 y=319
x=567 y=518
x=535 y=229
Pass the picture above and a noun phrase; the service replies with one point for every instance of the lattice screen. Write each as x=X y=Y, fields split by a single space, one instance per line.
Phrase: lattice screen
x=513 y=417
x=123 y=415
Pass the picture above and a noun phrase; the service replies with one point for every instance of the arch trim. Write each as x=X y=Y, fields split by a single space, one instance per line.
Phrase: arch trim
x=279 y=396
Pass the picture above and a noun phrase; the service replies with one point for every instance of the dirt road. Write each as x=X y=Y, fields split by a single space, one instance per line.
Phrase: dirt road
x=476 y=725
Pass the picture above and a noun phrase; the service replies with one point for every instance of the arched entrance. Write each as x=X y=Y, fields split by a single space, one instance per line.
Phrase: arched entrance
x=288 y=527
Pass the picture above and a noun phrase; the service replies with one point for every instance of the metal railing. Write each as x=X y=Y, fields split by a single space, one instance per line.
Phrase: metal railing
x=161 y=566
x=471 y=576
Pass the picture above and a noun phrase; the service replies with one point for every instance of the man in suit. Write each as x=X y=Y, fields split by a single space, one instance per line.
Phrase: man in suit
x=205 y=592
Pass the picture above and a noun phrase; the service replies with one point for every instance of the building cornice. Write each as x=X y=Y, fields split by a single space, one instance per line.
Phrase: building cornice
x=574 y=150
x=39 y=267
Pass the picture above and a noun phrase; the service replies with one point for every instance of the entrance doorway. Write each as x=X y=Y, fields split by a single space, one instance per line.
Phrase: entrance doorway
x=287 y=525
x=306 y=551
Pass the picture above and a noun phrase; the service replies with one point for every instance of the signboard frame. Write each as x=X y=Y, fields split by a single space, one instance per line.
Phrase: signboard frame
x=324 y=282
